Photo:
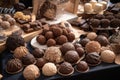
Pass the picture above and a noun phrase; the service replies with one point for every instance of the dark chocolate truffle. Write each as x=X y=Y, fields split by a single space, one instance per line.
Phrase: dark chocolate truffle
x=76 y=45
x=105 y=23
x=95 y=22
x=65 y=32
x=99 y=16
x=14 y=66
x=40 y=62
x=84 y=41
x=115 y=23
x=51 y=42
x=45 y=29
x=28 y=59
x=41 y=39
x=12 y=21
x=57 y=31
x=93 y=59
x=80 y=51
x=38 y=53
x=70 y=37
x=66 y=47
x=61 y=39
x=49 y=35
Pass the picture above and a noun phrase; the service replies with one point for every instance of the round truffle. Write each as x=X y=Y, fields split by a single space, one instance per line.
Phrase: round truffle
x=12 y=21
x=53 y=54
x=38 y=53
x=49 y=69
x=105 y=23
x=5 y=25
x=31 y=72
x=65 y=32
x=51 y=42
x=49 y=35
x=80 y=51
x=102 y=40
x=117 y=15
x=61 y=39
x=91 y=35
x=66 y=47
x=82 y=66
x=71 y=57
x=99 y=16
x=108 y=56
x=93 y=59
x=76 y=45
x=65 y=69
x=41 y=39
x=6 y=17
x=40 y=62
x=14 y=66
x=84 y=41
x=28 y=59
x=115 y=23
x=57 y=31
x=110 y=17
x=93 y=46
x=70 y=37
x=95 y=22
x=19 y=52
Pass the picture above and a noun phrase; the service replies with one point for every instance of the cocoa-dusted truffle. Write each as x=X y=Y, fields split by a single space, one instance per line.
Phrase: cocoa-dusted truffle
x=14 y=66
x=99 y=16
x=70 y=37
x=71 y=56
x=49 y=35
x=14 y=41
x=66 y=47
x=61 y=39
x=12 y=21
x=28 y=59
x=84 y=41
x=38 y=53
x=93 y=59
x=65 y=69
x=102 y=40
x=40 y=62
x=80 y=51
x=41 y=39
x=57 y=31
x=5 y=25
x=115 y=23
x=95 y=22
x=105 y=23
x=51 y=42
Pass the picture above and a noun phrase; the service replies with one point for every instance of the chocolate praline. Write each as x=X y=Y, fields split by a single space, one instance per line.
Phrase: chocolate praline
x=65 y=32
x=105 y=23
x=115 y=23
x=80 y=51
x=84 y=41
x=5 y=25
x=61 y=39
x=110 y=17
x=12 y=21
x=38 y=53
x=41 y=39
x=76 y=45
x=57 y=31
x=46 y=28
x=99 y=16
x=49 y=35
x=40 y=62
x=51 y=42
x=70 y=37
x=95 y=22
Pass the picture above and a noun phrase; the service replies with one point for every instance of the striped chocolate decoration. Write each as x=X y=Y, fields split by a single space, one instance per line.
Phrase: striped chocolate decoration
x=7 y=10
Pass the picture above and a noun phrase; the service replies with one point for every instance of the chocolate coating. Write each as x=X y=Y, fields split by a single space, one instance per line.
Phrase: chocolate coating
x=70 y=37
x=5 y=25
x=40 y=62
x=115 y=23
x=41 y=39
x=61 y=39
x=99 y=16
x=84 y=41
x=80 y=51
x=49 y=35
x=76 y=45
x=105 y=23
x=57 y=31
x=38 y=53
x=110 y=17
x=95 y=22
x=65 y=32
x=51 y=42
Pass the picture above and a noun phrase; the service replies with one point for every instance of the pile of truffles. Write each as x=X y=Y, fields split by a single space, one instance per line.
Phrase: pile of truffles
x=55 y=35
x=6 y=21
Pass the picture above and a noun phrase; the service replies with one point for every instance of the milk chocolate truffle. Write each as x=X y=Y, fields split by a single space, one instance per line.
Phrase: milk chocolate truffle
x=31 y=72
x=19 y=52
x=65 y=69
x=70 y=37
x=95 y=22
x=12 y=21
x=61 y=39
x=105 y=23
x=93 y=46
x=71 y=56
x=40 y=62
x=49 y=69
x=53 y=54
x=66 y=47
x=80 y=51
x=49 y=35
x=115 y=23
x=93 y=59
x=76 y=45
x=28 y=59
x=5 y=25
x=57 y=31
x=41 y=39
x=108 y=56
x=14 y=41
x=102 y=40
x=84 y=41
x=82 y=66
x=38 y=53
x=51 y=42
x=91 y=35
x=14 y=66
x=99 y=16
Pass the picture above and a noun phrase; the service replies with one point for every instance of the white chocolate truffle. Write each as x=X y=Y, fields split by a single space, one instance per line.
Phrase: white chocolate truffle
x=93 y=2
x=108 y=56
x=88 y=8
x=91 y=35
x=98 y=8
x=104 y=3
x=49 y=69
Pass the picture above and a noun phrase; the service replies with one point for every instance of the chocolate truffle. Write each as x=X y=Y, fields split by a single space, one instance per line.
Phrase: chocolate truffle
x=1 y=21
x=19 y=52
x=80 y=51
x=57 y=31
x=93 y=46
x=65 y=69
x=5 y=25
x=82 y=66
x=61 y=39
x=91 y=35
x=108 y=56
x=28 y=59
x=53 y=54
x=84 y=41
x=45 y=29
x=76 y=45
x=93 y=59
x=49 y=35
x=12 y=21
x=14 y=66
x=105 y=23
x=110 y=17
x=49 y=69
x=115 y=23
x=99 y=16
x=95 y=22
x=71 y=56
x=14 y=41
x=40 y=62
x=31 y=72
x=51 y=42
x=70 y=37
x=66 y=47
x=38 y=53
x=6 y=17
x=41 y=39
x=102 y=40
x=117 y=15
x=65 y=32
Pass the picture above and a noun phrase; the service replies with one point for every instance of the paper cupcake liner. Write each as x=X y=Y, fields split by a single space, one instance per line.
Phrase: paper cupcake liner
x=14 y=72
x=82 y=71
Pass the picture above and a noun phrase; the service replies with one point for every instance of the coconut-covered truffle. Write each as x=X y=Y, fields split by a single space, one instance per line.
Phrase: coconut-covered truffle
x=108 y=56
x=40 y=62
x=49 y=69
x=93 y=46
x=49 y=35
x=51 y=42
x=115 y=23
x=57 y=31
x=70 y=37
x=95 y=22
x=14 y=66
x=19 y=52
x=91 y=35
x=41 y=39
x=12 y=21
x=5 y=25
x=38 y=53
x=53 y=54
x=105 y=23
x=14 y=41
x=71 y=56
x=61 y=39
x=31 y=72
x=84 y=41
